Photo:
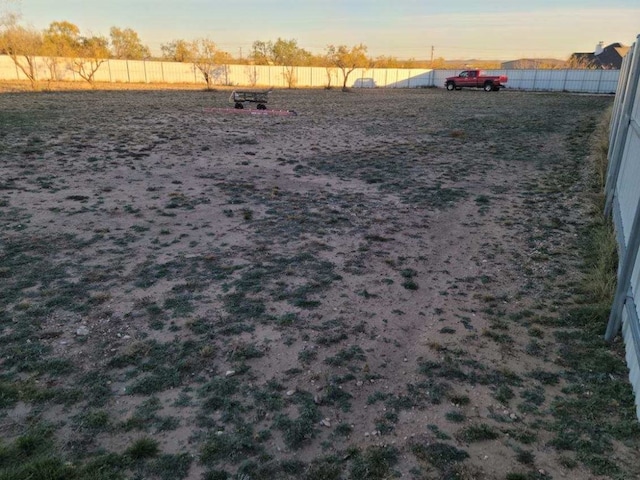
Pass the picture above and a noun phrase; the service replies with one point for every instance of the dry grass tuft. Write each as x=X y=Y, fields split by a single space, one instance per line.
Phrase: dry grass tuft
x=600 y=280
x=600 y=150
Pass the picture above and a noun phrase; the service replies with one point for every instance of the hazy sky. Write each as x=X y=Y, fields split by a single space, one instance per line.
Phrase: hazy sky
x=491 y=29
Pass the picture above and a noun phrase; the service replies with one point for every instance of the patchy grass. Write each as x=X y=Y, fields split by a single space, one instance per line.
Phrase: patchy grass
x=254 y=294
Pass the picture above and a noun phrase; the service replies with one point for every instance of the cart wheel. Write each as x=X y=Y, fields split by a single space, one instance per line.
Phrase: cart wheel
x=239 y=106
x=261 y=106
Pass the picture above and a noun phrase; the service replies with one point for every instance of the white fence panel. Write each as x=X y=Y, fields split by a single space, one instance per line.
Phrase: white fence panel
x=7 y=68
x=230 y=74
x=118 y=71
x=135 y=71
x=609 y=81
x=155 y=72
x=322 y=77
x=623 y=203
x=102 y=73
x=521 y=80
x=302 y=76
x=551 y=80
x=175 y=72
x=364 y=78
x=628 y=186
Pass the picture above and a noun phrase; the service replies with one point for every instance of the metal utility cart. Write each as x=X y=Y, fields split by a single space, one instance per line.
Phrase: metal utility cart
x=239 y=97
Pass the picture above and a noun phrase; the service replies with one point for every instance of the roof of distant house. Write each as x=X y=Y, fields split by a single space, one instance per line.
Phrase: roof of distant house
x=610 y=57
x=530 y=63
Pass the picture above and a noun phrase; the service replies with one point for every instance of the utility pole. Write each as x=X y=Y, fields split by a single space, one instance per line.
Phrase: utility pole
x=432 y=48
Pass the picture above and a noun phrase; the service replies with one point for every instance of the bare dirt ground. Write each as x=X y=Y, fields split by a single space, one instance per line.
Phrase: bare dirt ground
x=386 y=285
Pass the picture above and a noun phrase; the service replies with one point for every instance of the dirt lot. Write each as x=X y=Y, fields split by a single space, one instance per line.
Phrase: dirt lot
x=386 y=285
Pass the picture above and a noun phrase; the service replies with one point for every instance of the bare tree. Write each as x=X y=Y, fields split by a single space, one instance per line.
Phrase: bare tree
x=60 y=40
x=92 y=52
x=384 y=61
x=288 y=54
x=347 y=59
x=331 y=73
x=285 y=53
x=330 y=69
x=262 y=53
x=212 y=63
x=177 y=51
x=22 y=44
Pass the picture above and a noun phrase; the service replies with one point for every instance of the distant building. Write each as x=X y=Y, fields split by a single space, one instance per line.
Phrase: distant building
x=603 y=58
x=533 y=63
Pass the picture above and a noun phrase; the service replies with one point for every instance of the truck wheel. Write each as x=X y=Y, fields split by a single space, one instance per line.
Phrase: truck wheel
x=451 y=86
x=261 y=106
x=239 y=106
x=488 y=87
x=496 y=89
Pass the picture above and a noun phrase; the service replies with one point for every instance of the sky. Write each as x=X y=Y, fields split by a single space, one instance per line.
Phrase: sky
x=465 y=29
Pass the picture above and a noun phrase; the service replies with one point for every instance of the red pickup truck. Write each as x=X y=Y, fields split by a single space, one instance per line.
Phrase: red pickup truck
x=475 y=79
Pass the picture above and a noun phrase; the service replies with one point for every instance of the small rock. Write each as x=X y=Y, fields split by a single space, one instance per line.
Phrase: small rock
x=325 y=422
x=405 y=359
x=290 y=392
x=229 y=373
x=513 y=416
x=317 y=399
x=542 y=472
x=367 y=434
x=359 y=383
x=82 y=331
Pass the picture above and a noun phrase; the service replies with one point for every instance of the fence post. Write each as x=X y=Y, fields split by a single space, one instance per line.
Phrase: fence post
x=617 y=149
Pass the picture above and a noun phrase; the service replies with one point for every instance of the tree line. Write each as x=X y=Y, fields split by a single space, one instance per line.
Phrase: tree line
x=86 y=52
